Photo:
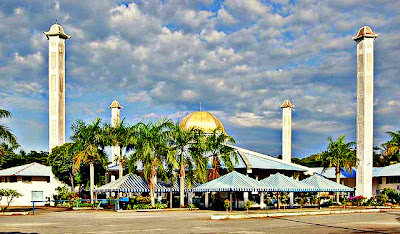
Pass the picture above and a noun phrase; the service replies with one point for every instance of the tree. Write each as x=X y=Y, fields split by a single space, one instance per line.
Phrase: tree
x=10 y=194
x=151 y=149
x=12 y=159
x=61 y=160
x=339 y=154
x=182 y=142
x=88 y=145
x=7 y=138
x=123 y=136
x=215 y=144
x=6 y=135
x=391 y=148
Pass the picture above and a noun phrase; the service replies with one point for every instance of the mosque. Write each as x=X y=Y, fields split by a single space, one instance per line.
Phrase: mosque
x=254 y=164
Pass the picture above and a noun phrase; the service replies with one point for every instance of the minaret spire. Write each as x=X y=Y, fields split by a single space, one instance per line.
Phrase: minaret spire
x=287 y=131
x=365 y=109
x=56 y=37
x=115 y=120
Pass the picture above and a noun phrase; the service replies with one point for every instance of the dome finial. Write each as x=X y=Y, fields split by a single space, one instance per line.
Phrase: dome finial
x=200 y=106
x=56 y=21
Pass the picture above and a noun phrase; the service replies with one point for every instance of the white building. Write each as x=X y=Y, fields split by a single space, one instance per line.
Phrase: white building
x=34 y=181
x=382 y=177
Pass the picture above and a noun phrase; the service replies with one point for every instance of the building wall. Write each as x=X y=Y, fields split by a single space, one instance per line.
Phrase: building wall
x=377 y=184
x=26 y=188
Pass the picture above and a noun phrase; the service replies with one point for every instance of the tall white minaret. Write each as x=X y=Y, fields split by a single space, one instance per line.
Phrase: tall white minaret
x=365 y=109
x=287 y=131
x=56 y=37
x=115 y=119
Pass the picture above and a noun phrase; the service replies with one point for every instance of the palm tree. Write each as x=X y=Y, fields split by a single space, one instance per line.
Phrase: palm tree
x=123 y=136
x=339 y=154
x=6 y=136
x=7 y=154
x=216 y=145
x=391 y=148
x=89 y=145
x=151 y=149
x=182 y=142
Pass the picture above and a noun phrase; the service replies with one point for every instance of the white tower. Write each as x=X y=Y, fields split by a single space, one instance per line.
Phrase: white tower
x=287 y=131
x=115 y=119
x=56 y=37
x=365 y=109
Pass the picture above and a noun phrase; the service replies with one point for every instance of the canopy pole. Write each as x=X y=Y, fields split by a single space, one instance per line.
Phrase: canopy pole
x=230 y=201
x=319 y=200
x=170 y=199
x=279 y=202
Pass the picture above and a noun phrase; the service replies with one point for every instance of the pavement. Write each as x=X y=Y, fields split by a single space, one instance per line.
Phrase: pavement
x=198 y=221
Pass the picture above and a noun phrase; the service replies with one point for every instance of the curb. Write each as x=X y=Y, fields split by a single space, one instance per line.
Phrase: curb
x=245 y=216
x=157 y=210
x=13 y=213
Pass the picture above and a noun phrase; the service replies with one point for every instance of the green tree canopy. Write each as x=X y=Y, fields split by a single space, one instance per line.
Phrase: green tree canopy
x=339 y=154
x=151 y=149
x=89 y=143
x=215 y=146
x=182 y=149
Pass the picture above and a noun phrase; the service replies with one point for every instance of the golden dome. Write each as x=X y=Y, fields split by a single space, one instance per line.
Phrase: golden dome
x=203 y=120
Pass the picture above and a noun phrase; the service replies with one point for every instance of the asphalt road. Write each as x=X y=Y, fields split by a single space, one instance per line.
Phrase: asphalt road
x=172 y=222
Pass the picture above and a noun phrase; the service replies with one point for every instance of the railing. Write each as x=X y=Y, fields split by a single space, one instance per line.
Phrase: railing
x=100 y=201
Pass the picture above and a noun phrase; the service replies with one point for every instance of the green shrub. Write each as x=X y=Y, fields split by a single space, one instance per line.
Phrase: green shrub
x=141 y=206
x=190 y=206
x=382 y=198
x=393 y=195
x=160 y=206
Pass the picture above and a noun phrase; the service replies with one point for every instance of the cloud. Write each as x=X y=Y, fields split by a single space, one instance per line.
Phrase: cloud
x=241 y=59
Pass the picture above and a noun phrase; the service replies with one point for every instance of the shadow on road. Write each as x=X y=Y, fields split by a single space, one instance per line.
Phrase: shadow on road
x=330 y=226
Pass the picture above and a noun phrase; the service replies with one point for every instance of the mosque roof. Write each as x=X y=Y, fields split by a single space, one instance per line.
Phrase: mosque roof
x=203 y=120
x=32 y=169
x=254 y=160
x=57 y=30
x=115 y=104
x=392 y=170
x=331 y=172
x=287 y=104
x=365 y=31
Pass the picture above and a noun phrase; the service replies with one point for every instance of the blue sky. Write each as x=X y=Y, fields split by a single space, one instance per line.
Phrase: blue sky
x=241 y=59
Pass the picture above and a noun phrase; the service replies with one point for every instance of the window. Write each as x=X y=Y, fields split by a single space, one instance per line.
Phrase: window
x=37 y=195
x=13 y=179
x=380 y=180
x=392 y=179
x=26 y=179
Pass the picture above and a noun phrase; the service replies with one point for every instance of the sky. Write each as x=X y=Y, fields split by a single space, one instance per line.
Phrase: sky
x=240 y=59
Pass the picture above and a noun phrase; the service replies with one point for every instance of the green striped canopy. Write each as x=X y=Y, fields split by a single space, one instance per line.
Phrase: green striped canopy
x=233 y=181
x=282 y=183
x=326 y=185
x=130 y=183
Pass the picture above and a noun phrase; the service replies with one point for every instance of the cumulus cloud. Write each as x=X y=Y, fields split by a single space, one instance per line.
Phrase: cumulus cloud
x=241 y=59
